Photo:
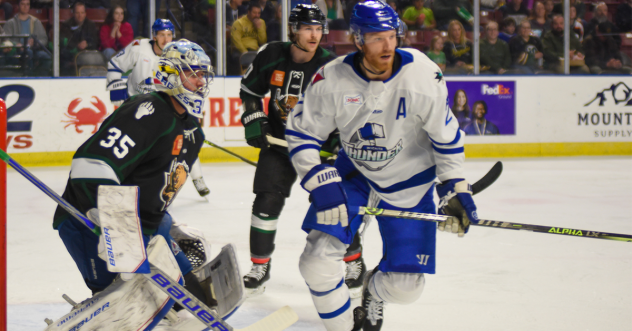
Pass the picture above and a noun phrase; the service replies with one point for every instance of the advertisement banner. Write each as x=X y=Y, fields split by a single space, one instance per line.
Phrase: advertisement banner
x=484 y=107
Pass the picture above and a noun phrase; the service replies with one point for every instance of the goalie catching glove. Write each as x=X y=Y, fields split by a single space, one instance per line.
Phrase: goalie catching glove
x=327 y=194
x=456 y=200
x=256 y=124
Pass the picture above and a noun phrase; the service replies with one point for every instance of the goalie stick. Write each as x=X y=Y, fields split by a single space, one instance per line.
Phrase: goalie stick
x=277 y=321
x=497 y=224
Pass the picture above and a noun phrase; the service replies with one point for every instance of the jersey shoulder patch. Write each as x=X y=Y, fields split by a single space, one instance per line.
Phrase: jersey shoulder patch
x=136 y=43
x=319 y=75
x=144 y=109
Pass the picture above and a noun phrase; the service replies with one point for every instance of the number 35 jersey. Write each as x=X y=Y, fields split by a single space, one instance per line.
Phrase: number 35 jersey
x=398 y=133
x=143 y=143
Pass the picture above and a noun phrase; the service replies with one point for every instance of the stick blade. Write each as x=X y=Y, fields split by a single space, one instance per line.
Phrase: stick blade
x=277 y=321
x=489 y=178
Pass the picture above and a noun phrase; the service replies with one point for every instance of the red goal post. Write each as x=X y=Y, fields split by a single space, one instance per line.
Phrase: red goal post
x=3 y=219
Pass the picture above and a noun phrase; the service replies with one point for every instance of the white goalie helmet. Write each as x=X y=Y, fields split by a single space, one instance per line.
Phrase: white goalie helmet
x=181 y=60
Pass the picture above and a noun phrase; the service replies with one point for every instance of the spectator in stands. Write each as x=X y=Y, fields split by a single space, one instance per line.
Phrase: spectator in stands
x=600 y=14
x=457 y=49
x=494 y=52
x=273 y=28
x=333 y=9
x=247 y=33
x=540 y=23
x=445 y=11
x=24 y=23
x=577 y=27
x=6 y=6
x=623 y=16
x=138 y=10
x=115 y=33
x=579 y=6
x=516 y=9
x=76 y=34
x=549 y=6
x=526 y=50
x=461 y=108
x=508 y=29
x=394 y=4
x=267 y=10
x=602 y=51
x=480 y=126
x=553 y=48
x=104 y=4
x=234 y=10
x=418 y=17
x=435 y=53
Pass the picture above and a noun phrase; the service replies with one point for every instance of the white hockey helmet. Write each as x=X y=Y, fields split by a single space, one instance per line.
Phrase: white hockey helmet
x=184 y=59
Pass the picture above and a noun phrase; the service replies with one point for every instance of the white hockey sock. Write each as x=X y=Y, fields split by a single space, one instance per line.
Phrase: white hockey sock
x=196 y=170
x=397 y=287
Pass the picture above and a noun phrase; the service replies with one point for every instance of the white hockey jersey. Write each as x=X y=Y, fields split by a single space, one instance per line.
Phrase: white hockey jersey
x=399 y=133
x=139 y=57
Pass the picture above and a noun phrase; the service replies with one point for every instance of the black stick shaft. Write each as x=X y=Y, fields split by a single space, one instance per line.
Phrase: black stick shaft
x=231 y=153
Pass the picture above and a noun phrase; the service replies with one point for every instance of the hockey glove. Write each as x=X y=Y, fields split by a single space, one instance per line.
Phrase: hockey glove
x=256 y=125
x=328 y=196
x=118 y=91
x=456 y=200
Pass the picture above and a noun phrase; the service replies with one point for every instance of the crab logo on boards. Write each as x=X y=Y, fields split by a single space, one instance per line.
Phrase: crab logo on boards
x=92 y=116
x=363 y=148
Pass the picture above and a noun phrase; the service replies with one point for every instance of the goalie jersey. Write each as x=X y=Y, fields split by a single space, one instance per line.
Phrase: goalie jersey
x=143 y=143
x=399 y=133
x=139 y=56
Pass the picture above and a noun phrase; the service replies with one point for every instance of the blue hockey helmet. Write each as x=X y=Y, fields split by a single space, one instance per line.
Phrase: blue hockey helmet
x=163 y=24
x=374 y=16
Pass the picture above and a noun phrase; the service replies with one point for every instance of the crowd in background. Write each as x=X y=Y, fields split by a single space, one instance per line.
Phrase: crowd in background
x=517 y=37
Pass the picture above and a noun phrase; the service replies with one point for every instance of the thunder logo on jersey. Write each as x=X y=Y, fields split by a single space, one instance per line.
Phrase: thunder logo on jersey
x=363 y=147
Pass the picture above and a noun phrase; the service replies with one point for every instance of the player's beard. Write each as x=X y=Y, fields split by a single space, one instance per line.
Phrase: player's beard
x=375 y=62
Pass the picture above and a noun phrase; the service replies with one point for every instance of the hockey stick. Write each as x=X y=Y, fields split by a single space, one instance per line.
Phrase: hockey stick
x=279 y=321
x=276 y=141
x=497 y=224
x=231 y=153
x=70 y=209
x=477 y=187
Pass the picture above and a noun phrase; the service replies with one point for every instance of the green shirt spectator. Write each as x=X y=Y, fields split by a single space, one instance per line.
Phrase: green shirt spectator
x=419 y=17
x=494 y=52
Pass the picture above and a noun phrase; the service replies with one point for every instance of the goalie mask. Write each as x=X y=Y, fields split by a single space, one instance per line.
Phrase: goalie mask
x=184 y=63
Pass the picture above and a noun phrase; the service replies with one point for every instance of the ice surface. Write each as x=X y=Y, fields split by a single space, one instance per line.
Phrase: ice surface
x=491 y=279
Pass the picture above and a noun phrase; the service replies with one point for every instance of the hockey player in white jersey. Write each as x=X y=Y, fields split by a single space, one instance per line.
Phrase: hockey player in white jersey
x=141 y=56
x=398 y=137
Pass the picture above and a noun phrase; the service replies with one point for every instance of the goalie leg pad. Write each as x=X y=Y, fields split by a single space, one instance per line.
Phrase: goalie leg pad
x=136 y=304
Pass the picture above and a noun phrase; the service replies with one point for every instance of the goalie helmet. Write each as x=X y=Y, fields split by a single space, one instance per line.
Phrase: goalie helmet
x=180 y=62
x=374 y=16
